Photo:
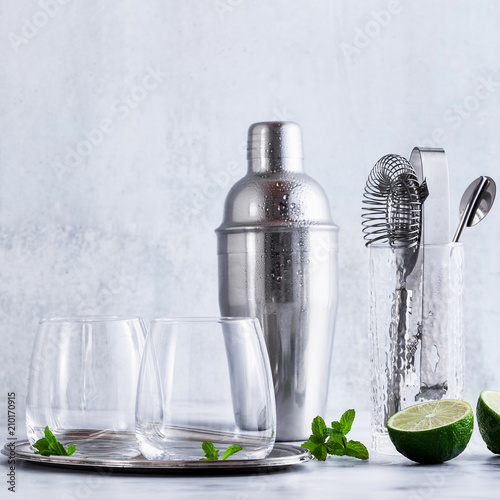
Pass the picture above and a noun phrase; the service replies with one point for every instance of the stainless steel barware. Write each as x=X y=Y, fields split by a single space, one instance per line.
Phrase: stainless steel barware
x=277 y=249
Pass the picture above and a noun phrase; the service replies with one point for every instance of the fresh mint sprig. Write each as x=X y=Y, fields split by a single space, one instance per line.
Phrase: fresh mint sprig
x=49 y=445
x=213 y=454
x=332 y=440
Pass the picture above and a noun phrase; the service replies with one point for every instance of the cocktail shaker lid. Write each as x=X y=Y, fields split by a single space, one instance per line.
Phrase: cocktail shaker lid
x=274 y=140
x=275 y=192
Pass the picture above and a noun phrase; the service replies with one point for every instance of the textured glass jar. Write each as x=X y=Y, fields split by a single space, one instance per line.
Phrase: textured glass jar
x=417 y=351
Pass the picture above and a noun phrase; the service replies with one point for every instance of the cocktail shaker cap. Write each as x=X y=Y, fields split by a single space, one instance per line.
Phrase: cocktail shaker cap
x=275 y=193
x=274 y=140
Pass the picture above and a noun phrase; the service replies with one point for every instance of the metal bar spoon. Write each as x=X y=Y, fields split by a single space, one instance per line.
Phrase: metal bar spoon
x=475 y=204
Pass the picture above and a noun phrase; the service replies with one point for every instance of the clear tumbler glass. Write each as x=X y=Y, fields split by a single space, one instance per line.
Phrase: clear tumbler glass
x=416 y=332
x=83 y=383
x=205 y=379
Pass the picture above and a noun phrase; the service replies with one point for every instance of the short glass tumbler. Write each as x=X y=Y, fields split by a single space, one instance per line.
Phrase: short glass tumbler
x=416 y=332
x=83 y=383
x=205 y=379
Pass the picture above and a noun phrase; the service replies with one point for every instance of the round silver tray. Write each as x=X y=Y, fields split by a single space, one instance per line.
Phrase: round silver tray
x=282 y=455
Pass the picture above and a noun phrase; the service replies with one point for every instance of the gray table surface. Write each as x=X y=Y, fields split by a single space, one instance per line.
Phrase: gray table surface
x=475 y=474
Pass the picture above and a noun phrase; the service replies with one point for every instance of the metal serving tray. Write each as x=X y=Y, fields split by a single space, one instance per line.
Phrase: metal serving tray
x=282 y=456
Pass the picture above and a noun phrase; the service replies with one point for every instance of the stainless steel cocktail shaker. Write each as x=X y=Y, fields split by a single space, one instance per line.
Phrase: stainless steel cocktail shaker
x=277 y=249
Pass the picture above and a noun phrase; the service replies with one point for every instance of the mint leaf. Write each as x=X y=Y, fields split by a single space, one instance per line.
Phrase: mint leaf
x=235 y=448
x=43 y=453
x=49 y=445
x=320 y=452
x=210 y=452
x=337 y=428
x=309 y=445
x=336 y=443
x=58 y=449
x=51 y=439
x=316 y=444
x=317 y=439
x=319 y=427
x=336 y=449
x=336 y=439
x=317 y=450
x=42 y=446
x=357 y=450
x=334 y=432
x=346 y=421
x=333 y=444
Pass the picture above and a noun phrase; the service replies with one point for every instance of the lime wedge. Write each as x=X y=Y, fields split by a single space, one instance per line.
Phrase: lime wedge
x=432 y=432
x=488 y=419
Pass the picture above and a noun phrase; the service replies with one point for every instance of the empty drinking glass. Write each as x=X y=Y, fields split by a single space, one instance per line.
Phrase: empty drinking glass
x=83 y=383
x=205 y=379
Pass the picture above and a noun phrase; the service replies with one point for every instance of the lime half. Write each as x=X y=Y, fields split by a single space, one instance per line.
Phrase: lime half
x=488 y=419
x=432 y=432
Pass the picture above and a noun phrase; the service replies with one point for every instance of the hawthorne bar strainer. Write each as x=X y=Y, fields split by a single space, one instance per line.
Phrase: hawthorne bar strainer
x=392 y=214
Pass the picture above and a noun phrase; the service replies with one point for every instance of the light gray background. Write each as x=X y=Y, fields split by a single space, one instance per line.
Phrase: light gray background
x=128 y=227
